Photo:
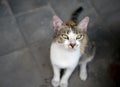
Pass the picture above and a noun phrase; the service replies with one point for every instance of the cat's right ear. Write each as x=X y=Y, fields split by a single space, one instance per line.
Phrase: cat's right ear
x=56 y=22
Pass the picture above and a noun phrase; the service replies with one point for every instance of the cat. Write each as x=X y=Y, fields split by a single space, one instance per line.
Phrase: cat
x=70 y=47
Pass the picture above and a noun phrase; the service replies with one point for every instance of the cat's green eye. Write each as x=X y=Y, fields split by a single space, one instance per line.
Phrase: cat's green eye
x=65 y=36
x=79 y=37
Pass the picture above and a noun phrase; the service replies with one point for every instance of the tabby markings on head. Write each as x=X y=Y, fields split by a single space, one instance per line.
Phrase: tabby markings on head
x=70 y=23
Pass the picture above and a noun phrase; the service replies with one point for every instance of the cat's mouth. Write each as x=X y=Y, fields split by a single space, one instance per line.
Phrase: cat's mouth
x=72 y=46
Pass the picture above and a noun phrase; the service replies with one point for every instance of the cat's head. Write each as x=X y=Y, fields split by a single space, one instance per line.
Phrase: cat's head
x=69 y=34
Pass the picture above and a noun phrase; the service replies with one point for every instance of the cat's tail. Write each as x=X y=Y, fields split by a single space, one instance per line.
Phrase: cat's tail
x=75 y=14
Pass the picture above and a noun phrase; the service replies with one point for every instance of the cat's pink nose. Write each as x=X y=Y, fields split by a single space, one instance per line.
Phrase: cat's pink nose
x=72 y=45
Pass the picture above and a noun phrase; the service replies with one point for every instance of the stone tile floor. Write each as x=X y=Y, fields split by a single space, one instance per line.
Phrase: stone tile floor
x=26 y=33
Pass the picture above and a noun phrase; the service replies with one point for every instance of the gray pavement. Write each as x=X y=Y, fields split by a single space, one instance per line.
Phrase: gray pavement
x=26 y=33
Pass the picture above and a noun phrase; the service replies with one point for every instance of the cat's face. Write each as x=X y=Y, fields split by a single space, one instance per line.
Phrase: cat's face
x=69 y=35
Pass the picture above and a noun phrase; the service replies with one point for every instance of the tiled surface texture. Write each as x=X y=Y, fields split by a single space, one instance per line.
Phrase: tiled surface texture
x=26 y=34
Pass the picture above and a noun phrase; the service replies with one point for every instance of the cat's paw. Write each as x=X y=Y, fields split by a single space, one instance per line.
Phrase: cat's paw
x=83 y=76
x=55 y=83
x=64 y=84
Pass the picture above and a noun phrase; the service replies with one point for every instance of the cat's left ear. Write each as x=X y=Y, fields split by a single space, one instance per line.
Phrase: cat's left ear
x=56 y=22
x=83 y=24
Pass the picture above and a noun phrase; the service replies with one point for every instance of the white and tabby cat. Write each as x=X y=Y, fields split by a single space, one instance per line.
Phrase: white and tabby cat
x=69 y=48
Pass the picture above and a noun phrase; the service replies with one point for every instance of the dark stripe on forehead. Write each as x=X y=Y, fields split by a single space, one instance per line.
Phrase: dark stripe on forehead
x=74 y=29
x=70 y=23
x=69 y=26
x=65 y=30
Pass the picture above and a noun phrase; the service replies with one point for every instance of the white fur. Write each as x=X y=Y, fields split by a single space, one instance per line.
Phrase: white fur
x=63 y=58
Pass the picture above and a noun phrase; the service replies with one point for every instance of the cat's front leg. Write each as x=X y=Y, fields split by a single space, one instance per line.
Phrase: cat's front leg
x=83 y=71
x=65 y=78
x=56 y=78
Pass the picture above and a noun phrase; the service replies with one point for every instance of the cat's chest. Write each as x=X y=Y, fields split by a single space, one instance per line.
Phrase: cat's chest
x=64 y=58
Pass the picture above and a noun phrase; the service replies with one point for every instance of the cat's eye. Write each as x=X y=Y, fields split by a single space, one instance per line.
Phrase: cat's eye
x=65 y=36
x=79 y=37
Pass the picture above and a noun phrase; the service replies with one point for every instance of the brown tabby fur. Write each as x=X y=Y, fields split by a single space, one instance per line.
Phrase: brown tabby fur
x=87 y=48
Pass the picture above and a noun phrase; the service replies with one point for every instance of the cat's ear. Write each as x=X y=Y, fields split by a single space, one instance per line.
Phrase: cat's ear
x=83 y=24
x=56 y=22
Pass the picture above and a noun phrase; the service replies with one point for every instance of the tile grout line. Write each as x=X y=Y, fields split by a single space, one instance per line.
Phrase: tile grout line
x=25 y=41
x=98 y=13
x=95 y=10
x=29 y=48
x=51 y=8
x=17 y=49
x=6 y=2
x=33 y=56
x=11 y=12
x=22 y=35
x=27 y=45
x=8 y=6
x=32 y=10
x=29 y=11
